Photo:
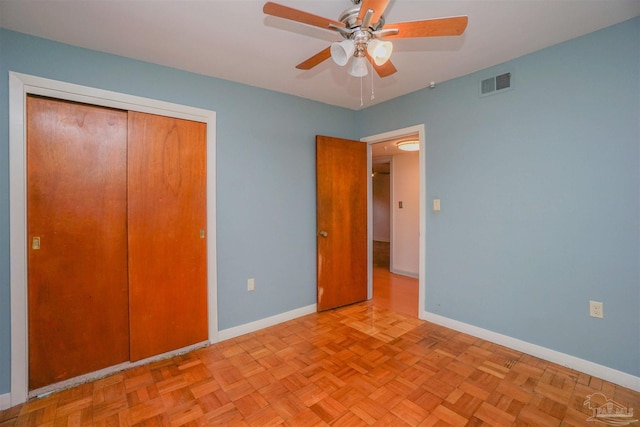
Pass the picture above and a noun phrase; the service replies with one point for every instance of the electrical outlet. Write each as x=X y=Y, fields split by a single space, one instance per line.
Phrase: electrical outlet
x=251 y=284
x=596 y=309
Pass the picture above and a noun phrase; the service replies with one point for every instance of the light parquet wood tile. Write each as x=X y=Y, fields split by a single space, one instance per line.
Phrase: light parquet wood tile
x=446 y=415
x=357 y=365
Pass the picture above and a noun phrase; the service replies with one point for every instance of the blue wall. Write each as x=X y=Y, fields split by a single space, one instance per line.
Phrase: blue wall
x=265 y=173
x=540 y=189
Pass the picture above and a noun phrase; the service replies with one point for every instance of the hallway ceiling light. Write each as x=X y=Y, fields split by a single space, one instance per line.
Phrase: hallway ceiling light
x=412 y=145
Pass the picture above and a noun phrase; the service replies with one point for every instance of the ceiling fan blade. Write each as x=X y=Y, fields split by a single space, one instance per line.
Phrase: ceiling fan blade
x=454 y=26
x=275 y=9
x=378 y=7
x=315 y=59
x=383 y=70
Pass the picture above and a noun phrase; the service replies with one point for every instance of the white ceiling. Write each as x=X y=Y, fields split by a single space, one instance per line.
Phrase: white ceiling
x=234 y=40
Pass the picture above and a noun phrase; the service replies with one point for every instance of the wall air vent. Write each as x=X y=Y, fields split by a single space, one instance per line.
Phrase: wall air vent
x=495 y=84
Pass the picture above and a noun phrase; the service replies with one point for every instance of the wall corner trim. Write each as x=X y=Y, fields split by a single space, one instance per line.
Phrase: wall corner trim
x=590 y=368
x=236 y=331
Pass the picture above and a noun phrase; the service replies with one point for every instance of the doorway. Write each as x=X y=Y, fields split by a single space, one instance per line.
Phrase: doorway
x=395 y=231
x=396 y=271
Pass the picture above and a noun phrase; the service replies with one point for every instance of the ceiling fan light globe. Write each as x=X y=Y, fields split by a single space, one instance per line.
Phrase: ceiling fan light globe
x=411 y=145
x=379 y=50
x=342 y=51
x=358 y=67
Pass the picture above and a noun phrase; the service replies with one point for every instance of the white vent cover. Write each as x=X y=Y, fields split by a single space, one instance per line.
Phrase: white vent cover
x=495 y=84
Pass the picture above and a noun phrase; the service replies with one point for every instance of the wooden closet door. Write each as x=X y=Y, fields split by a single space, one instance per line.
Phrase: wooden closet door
x=167 y=245
x=76 y=220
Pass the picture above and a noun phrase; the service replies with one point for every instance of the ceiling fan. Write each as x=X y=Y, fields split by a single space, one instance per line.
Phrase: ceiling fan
x=364 y=31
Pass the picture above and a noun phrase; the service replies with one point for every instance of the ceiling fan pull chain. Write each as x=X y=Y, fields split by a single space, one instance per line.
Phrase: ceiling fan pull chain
x=372 y=94
x=361 y=101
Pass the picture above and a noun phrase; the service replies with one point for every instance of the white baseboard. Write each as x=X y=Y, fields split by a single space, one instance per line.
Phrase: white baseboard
x=566 y=360
x=236 y=331
x=405 y=273
x=5 y=401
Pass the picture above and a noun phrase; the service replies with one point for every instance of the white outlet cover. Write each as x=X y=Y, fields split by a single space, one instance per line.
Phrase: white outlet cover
x=596 y=309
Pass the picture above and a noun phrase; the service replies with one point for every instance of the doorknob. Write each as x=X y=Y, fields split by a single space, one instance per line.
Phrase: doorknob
x=323 y=233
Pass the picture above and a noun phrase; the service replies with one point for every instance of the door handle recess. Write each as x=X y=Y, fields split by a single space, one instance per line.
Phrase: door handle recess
x=323 y=233
x=35 y=243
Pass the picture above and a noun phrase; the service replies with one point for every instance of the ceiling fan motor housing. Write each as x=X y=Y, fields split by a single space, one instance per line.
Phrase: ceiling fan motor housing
x=350 y=19
x=354 y=31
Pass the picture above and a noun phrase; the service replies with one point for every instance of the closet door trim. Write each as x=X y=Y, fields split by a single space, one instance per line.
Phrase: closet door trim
x=21 y=85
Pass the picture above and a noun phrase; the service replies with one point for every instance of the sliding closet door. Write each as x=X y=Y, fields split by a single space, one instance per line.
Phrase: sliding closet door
x=167 y=222
x=76 y=220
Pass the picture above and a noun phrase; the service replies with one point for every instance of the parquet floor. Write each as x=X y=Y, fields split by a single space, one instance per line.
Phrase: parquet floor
x=359 y=365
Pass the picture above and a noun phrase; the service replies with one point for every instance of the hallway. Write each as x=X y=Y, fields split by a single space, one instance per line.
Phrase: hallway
x=391 y=291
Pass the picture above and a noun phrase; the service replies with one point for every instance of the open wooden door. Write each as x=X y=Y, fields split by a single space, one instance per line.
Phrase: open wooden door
x=341 y=204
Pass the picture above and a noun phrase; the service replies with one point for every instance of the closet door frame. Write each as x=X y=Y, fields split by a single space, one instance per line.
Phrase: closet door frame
x=21 y=85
